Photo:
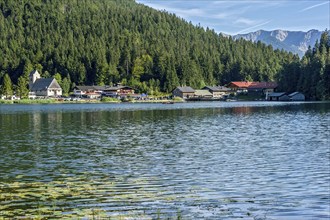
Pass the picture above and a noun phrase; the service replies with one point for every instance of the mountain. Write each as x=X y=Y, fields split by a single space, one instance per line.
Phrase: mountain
x=296 y=42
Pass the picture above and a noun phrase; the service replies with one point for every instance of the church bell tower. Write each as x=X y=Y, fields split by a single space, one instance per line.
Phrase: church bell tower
x=34 y=75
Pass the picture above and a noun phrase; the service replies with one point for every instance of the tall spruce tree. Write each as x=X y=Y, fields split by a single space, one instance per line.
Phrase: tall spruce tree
x=22 y=90
x=7 y=86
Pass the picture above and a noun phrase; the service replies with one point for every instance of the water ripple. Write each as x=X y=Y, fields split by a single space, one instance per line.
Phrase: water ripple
x=210 y=160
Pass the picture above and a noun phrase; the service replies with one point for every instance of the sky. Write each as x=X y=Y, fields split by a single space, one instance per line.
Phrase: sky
x=244 y=16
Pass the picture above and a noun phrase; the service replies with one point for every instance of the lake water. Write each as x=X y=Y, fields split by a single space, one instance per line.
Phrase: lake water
x=207 y=160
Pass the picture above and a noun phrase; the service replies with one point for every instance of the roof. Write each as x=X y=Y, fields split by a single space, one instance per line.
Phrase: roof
x=102 y=88
x=87 y=88
x=244 y=84
x=216 y=88
x=255 y=85
x=262 y=85
x=115 y=88
x=276 y=94
x=295 y=93
x=202 y=92
x=43 y=84
x=185 y=89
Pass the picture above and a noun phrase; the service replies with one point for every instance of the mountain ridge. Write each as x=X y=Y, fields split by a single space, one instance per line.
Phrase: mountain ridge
x=296 y=42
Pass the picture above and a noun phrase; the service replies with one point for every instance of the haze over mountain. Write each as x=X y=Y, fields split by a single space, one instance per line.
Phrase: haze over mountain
x=296 y=42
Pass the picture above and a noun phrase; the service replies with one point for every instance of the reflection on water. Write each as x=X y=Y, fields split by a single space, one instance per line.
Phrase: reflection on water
x=198 y=160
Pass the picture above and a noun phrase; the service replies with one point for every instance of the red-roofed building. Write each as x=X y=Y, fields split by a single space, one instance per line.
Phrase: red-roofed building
x=254 y=89
x=239 y=85
x=264 y=87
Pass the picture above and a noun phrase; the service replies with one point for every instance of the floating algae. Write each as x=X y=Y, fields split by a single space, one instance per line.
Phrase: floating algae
x=76 y=197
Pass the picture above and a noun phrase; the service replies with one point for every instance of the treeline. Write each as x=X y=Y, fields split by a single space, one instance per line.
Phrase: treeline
x=86 y=42
x=311 y=74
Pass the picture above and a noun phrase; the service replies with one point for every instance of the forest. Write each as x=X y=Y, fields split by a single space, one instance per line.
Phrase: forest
x=104 y=42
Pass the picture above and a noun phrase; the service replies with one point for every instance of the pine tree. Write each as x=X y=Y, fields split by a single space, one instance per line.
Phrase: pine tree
x=7 y=86
x=66 y=83
x=22 y=90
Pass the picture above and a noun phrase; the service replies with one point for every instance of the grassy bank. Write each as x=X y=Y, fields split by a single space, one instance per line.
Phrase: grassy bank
x=6 y=101
x=35 y=101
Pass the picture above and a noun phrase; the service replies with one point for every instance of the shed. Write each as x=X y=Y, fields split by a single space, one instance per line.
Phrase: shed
x=297 y=96
x=278 y=96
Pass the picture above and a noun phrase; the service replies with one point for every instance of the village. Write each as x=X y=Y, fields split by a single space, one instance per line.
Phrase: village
x=49 y=88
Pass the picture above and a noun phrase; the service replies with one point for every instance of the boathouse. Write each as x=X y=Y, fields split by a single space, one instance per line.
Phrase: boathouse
x=297 y=96
x=278 y=96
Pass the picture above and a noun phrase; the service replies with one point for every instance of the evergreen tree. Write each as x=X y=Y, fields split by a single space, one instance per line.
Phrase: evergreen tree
x=7 y=86
x=105 y=42
x=58 y=78
x=66 y=83
x=22 y=90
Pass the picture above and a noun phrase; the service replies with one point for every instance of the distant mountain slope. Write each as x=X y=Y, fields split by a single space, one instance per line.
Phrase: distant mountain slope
x=293 y=41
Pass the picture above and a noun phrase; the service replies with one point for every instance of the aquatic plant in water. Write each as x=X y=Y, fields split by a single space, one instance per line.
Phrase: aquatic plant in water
x=75 y=197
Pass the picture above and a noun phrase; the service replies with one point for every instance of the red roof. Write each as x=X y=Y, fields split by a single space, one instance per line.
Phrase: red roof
x=245 y=84
x=254 y=85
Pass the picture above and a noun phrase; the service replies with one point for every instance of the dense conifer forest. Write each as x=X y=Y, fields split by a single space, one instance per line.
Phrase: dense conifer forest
x=103 y=42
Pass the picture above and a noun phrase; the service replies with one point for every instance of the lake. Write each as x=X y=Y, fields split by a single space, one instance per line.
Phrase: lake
x=206 y=160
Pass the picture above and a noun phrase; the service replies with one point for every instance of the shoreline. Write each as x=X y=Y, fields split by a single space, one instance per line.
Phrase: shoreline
x=53 y=101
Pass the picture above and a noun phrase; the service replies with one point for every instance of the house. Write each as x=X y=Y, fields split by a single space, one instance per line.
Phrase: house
x=92 y=92
x=184 y=92
x=239 y=86
x=217 y=91
x=253 y=87
x=119 y=90
x=297 y=96
x=262 y=87
x=203 y=93
x=278 y=96
x=46 y=87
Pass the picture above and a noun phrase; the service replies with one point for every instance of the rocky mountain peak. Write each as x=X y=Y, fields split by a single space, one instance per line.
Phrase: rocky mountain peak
x=293 y=41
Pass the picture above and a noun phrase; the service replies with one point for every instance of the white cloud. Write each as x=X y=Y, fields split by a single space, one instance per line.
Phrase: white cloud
x=314 y=6
x=245 y=21
x=238 y=16
x=253 y=27
x=179 y=10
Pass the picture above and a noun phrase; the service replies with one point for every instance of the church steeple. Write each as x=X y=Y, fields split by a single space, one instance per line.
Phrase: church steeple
x=34 y=75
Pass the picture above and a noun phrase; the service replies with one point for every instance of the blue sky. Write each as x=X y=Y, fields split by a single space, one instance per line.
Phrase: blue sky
x=244 y=16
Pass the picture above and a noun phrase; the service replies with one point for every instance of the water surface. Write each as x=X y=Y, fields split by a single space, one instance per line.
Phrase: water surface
x=251 y=160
